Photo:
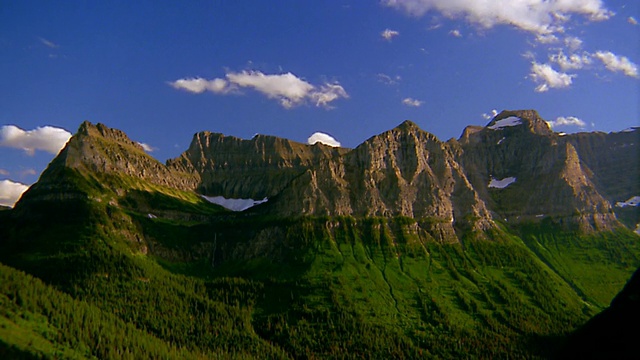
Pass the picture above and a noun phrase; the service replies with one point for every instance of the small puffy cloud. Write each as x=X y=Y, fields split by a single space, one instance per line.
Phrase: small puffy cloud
x=4 y=172
x=491 y=115
x=631 y=20
x=617 y=63
x=567 y=121
x=546 y=77
x=389 y=34
x=573 y=43
x=10 y=192
x=546 y=39
x=46 y=138
x=327 y=94
x=199 y=85
x=571 y=62
x=535 y=16
x=323 y=139
x=455 y=33
x=146 y=147
x=412 y=102
x=287 y=88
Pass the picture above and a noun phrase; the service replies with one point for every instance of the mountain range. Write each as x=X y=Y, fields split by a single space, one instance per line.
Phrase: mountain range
x=496 y=244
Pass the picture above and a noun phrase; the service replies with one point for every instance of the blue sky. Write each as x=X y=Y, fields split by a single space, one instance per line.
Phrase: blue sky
x=162 y=70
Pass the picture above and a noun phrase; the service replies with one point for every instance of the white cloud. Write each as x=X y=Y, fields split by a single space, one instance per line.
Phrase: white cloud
x=412 y=102
x=567 y=121
x=287 y=88
x=4 y=172
x=490 y=115
x=631 y=20
x=199 y=85
x=47 y=138
x=49 y=44
x=146 y=147
x=388 y=80
x=536 y=16
x=546 y=77
x=10 y=192
x=617 y=63
x=323 y=139
x=389 y=34
x=327 y=94
x=455 y=33
x=571 y=62
x=546 y=38
x=573 y=43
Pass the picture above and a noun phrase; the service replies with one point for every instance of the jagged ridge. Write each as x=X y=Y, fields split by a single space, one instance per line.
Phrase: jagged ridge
x=402 y=172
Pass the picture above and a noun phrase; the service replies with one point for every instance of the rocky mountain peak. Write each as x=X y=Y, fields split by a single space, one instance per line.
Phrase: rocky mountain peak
x=99 y=130
x=256 y=168
x=513 y=119
x=97 y=152
x=514 y=169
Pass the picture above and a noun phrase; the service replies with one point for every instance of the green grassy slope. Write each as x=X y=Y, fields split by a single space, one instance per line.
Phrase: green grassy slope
x=201 y=280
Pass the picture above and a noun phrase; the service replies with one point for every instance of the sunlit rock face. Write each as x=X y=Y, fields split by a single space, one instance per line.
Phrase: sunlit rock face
x=401 y=172
x=514 y=169
x=237 y=168
x=552 y=179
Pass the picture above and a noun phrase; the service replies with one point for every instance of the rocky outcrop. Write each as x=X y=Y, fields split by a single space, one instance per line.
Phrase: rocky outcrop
x=401 y=172
x=613 y=160
x=97 y=150
x=545 y=172
x=513 y=169
x=256 y=168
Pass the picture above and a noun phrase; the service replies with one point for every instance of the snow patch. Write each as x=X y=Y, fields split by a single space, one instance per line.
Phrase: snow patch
x=500 y=141
x=540 y=215
x=562 y=134
x=510 y=121
x=633 y=201
x=501 y=184
x=234 y=204
x=151 y=216
x=631 y=129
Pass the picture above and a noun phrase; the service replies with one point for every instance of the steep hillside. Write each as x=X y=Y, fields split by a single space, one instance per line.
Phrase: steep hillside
x=613 y=333
x=526 y=172
x=398 y=248
x=613 y=159
x=257 y=168
x=401 y=172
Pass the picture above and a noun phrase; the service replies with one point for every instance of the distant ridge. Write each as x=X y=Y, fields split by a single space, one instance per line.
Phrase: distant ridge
x=573 y=179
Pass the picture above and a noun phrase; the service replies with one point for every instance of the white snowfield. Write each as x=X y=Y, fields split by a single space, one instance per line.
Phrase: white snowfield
x=510 y=121
x=633 y=201
x=234 y=204
x=501 y=184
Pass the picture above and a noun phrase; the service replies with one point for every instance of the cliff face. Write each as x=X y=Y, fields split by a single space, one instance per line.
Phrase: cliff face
x=256 y=168
x=97 y=150
x=402 y=172
x=613 y=160
x=514 y=169
x=526 y=171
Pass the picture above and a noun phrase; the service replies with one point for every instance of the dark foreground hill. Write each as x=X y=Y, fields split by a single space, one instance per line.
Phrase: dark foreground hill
x=494 y=245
